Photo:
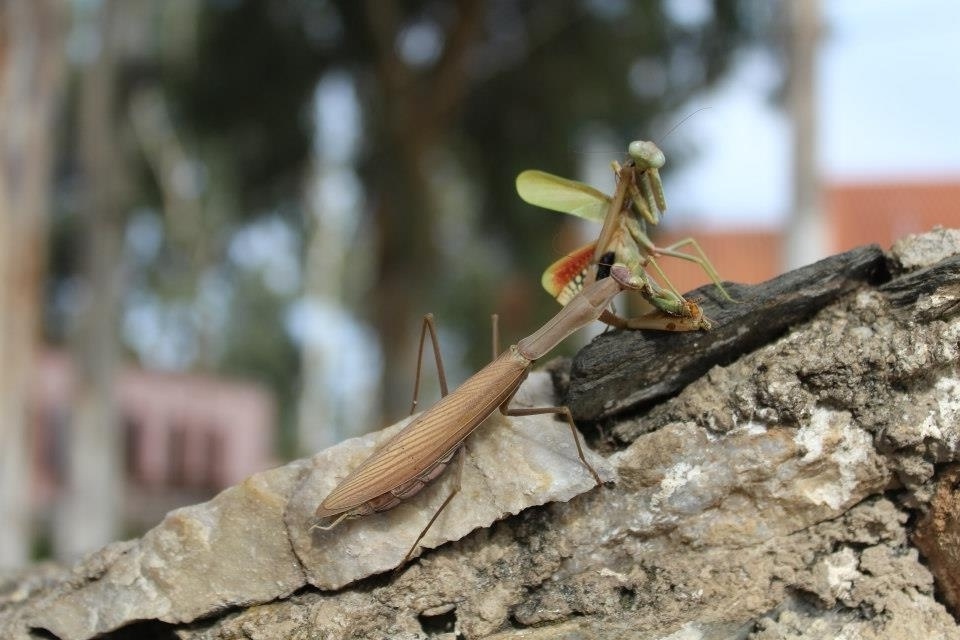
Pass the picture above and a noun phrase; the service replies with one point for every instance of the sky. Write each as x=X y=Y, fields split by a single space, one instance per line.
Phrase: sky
x=888 y=90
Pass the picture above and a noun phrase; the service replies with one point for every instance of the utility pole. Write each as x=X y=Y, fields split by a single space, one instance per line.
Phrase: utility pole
x=806 y=238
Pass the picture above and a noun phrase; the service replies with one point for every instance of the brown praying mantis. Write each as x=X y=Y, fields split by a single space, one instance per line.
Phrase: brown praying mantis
x=585 y=282
x=423 y=449
x=637 y=201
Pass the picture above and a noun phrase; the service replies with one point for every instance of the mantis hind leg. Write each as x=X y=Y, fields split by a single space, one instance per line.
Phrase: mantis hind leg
x=700 y=259
x=565 y=412
x=454 y=491
x=428 y=325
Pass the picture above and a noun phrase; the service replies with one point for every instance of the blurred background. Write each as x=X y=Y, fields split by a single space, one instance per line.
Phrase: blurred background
x=221 y=221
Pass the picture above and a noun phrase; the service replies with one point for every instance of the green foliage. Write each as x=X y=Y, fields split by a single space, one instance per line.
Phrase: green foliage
x=247 y=89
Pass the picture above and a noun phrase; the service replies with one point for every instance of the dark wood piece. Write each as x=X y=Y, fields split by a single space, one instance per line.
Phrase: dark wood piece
x=939 y=282
x=624 y=371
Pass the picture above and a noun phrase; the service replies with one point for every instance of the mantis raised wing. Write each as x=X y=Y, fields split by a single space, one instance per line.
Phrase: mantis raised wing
x=421 y=451
x=637 y=201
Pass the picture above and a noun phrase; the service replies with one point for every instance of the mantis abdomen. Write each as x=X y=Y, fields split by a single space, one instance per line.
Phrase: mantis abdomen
x=423 y=448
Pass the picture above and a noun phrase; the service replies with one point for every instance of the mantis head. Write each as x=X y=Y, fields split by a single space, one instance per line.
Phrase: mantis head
x=646 y=155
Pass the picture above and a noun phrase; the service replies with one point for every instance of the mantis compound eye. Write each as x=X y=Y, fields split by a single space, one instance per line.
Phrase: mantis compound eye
x=604 y=265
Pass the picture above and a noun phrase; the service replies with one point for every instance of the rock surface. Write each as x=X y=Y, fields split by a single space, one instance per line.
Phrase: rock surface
x=619 y=373
x=776 y=497
x=938 y=536
x=512 y=463
x=253 y=543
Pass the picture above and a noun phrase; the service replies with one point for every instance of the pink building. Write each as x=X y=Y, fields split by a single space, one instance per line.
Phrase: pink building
x=185 y=436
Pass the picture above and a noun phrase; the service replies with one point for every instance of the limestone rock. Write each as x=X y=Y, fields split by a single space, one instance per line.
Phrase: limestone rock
x=511 y=464
x=926 y=249
x=938 y=536
x=253 y=544
x=231 y=551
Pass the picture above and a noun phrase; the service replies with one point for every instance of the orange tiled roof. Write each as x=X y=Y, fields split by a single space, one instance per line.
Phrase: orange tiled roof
x=739 y=256
x=861 y=213
x=858 y=213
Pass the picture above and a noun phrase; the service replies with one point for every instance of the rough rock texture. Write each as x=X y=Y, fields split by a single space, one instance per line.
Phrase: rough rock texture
x=254 y=543
x=513 y=463
x=776 y=497
x=938 y=536
x=623 y=372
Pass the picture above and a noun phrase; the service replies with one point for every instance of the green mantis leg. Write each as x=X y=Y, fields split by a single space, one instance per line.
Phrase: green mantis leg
x=663 y=276
x=647 y=190
x=656 y=185
x=664 y=300
x=700 y=259
x=683 y=315
x=643 y=202
x=667 y=300
x=653 y=250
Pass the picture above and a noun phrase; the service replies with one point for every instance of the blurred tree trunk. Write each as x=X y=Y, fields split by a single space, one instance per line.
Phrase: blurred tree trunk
x=89 y=515
x=30 y=64
x=419 y=109
x=190 y=220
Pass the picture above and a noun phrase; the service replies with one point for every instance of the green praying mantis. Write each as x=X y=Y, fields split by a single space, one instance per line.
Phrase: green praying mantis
x=637 y=201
